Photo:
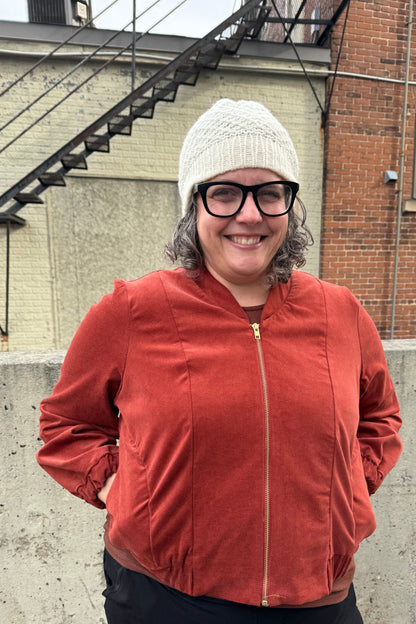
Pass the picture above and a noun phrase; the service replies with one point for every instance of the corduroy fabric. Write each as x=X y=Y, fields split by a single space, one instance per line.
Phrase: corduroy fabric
x=234 y=135
x=188 y=501
x=133 y=598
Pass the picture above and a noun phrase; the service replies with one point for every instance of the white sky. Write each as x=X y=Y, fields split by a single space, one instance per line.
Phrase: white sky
x=194 y=18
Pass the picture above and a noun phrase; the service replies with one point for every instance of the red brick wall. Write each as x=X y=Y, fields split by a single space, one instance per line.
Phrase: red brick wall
x=362 y=141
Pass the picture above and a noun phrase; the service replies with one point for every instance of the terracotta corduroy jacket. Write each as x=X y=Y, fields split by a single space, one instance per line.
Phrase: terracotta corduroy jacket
x=246 y=452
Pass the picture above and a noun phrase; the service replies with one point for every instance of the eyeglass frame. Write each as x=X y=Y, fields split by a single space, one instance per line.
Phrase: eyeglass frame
x=202 y=188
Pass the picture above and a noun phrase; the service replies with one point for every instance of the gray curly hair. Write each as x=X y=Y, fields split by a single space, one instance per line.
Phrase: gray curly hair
x=186 y=248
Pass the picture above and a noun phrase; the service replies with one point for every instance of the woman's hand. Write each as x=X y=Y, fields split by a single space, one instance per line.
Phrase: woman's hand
x=102 y=494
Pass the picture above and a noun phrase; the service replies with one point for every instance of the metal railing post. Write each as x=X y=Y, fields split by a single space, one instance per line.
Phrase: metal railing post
x=5 y=332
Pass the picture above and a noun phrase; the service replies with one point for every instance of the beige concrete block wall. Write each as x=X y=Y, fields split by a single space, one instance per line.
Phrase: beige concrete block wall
x=117 y=231
x=83 y=230
x=51 y=542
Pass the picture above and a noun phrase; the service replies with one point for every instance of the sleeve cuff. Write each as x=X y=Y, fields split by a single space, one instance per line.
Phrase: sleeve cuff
x=373 y=475
x=96 y=478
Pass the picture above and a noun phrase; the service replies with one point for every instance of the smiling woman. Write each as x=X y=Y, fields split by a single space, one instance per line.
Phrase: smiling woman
x=241 y=144
x=252 y=403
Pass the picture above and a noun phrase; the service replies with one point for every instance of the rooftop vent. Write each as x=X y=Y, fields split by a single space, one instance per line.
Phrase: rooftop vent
x=65 y=12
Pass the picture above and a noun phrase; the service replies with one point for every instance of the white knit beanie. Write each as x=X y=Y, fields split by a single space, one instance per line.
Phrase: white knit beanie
x=234 y=135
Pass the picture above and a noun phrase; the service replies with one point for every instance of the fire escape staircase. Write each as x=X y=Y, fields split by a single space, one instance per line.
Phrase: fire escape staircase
x=205 y=53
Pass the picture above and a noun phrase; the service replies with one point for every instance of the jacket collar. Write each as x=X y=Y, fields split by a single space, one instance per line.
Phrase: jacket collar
x=217 y=293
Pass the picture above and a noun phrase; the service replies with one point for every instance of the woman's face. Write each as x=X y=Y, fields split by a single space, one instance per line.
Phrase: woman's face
x=238 y=250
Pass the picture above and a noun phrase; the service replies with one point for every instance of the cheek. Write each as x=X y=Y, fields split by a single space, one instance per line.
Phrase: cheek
x=279 y=231
x=201 y=230
x=200 y=223
x=208 y=241
x=208 y=228
x=283 y=227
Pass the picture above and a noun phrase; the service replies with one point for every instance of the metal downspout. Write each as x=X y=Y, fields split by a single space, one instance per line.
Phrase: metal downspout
x=401 y=171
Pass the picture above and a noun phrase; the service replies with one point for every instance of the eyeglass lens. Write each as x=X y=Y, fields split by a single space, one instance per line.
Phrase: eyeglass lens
x=224 y=199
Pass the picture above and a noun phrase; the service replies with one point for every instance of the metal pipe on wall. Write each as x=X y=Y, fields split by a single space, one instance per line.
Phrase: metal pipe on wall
x=5 y=332
x=401 y=172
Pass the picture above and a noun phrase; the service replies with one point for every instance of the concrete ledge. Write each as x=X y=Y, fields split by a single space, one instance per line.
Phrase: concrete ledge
x=399 y=345
x=18 y=358
x=51 y=542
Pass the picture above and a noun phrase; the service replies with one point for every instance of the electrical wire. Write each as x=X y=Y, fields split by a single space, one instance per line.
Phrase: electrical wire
x=328 y=102
x=88 y=79
x=49 y=54
x=87 y=58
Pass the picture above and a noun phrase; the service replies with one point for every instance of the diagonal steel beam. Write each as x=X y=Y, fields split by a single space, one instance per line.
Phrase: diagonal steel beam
x=326 y=32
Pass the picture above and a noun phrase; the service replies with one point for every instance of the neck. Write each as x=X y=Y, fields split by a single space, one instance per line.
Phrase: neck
x=251 y=294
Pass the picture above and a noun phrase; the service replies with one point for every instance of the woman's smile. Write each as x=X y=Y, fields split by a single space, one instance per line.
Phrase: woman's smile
x=245 y=240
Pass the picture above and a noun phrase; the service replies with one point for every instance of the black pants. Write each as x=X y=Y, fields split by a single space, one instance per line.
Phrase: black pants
x=133 y=598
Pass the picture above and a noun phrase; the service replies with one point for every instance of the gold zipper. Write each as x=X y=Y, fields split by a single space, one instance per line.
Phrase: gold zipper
x=265 y=602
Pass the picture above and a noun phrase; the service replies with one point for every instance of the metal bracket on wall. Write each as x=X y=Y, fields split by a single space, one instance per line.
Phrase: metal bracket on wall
x=7 y=220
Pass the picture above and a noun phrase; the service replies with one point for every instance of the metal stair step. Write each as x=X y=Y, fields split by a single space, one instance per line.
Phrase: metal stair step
x=232 y=44
x=74 y=161
x=209 y=62
x=97 y=143
x=251 y=25
x=52 y=179
x=259 y=21
x=188 y=77
x=121 y=124
x=10 y=217
x=210 y=47
x=144 y=108
x=28 y=198
x=166 y=90
x=210 y=56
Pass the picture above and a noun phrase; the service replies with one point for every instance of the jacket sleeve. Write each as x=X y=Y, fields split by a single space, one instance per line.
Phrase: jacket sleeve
x=79 y=421
x=379 y=409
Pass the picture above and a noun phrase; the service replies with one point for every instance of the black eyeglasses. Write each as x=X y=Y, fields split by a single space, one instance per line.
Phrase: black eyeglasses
x=226 y=199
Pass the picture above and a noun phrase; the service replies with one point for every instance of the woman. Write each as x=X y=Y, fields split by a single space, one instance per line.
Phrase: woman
x=252 y=403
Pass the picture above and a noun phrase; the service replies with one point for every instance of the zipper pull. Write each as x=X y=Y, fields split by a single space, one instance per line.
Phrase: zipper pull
x=256 y=329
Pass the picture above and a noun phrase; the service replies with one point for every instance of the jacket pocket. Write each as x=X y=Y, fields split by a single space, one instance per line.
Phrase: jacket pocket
x=364 y=518
x=128 y=510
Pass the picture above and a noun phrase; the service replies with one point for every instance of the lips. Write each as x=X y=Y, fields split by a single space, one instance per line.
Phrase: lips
x=245 y=240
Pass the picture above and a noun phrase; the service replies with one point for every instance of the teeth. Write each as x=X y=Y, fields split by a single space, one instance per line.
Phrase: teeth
x=246 y=240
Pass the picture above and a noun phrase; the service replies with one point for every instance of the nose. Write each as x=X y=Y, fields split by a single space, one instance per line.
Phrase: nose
x=249 y=213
